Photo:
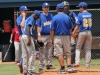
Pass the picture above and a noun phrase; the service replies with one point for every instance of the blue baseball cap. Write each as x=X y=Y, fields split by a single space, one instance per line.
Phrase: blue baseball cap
x=23 y=8
x=59 y=6
x=36 y=12
x=82 y=4
x=45 y=4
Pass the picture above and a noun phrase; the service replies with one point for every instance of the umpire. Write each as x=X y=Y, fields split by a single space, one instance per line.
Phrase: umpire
x=73 y=18
x=61 y=27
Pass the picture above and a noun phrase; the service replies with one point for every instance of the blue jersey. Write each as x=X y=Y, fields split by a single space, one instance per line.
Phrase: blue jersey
x=85 y=21
x=61 y=24
x=45 y=23
x=75 y=19
x=18 y=21
x=29 y=21
x=75 y=16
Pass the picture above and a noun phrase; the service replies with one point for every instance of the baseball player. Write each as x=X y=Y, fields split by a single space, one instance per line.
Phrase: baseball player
x=73 y=18
x=20 y=23
x=84 y=24
x=61 y=27
x=43 y=30
x=16 y=35
x=28 y=48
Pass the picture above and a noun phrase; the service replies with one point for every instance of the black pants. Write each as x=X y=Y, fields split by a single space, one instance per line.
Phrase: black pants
x=73 y=54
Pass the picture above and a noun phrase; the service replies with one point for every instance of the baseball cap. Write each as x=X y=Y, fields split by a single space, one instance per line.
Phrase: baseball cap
x=65 y=3
x=60 y=6
x=82 y=4
x=23 y=8
x=36 y=12
x=45 y=4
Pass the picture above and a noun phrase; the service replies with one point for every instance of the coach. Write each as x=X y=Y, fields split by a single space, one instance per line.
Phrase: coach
x=61 y=27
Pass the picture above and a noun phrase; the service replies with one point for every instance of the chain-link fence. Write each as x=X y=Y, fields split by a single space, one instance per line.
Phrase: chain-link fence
x=95 y=52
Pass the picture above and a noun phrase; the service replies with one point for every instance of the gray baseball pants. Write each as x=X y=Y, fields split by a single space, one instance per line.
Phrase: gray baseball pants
x=45 y=52
x=28 y=54
x=17 y=51
x=86 y=38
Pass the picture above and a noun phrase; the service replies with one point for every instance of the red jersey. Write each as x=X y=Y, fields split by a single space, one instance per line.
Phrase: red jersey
x=16 y=34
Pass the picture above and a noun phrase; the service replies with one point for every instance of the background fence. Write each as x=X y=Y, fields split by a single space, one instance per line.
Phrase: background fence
x=95 y=32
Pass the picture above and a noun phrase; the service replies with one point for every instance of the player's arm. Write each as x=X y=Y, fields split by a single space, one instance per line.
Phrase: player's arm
x=76 y=29
x=38 y=23
x=52 y=30
x=28 y=31
x=23 y=20
x=78 y=22
x=51 y=34
x=70 y=31
x=29 y=24
x=11 y=36
x=28 y=34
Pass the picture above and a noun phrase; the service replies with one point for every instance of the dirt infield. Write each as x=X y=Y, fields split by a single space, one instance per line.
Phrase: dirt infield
x=81 y=71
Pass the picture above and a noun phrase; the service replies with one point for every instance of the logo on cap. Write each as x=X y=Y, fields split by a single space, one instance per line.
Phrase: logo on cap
x=46 y=3
x=25 y=7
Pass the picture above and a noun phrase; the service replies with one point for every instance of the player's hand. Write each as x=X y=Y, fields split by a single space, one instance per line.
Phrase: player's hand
x=39 y=38
x=23 y=14
x=75 y=34
x=10 y=41
x=29 y=42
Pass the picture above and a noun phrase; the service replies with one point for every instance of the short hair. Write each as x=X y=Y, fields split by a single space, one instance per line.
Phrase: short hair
x=84 y=7
x=61 y=9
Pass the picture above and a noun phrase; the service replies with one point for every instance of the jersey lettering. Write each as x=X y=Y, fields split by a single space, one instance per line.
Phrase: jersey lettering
x=47 y=23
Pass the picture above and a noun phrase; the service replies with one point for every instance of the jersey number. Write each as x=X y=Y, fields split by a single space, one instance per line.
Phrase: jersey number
x=87 y=22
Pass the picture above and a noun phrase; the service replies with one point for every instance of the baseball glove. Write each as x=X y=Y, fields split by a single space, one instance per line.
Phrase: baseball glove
x=75 y=35
x=40 y=44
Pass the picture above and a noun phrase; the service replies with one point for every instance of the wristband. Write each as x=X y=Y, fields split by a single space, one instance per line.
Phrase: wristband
x=39 y=34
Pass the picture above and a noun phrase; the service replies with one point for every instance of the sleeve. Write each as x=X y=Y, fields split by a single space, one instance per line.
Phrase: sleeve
x=18 y=21
x=13 y=32
x=52 y=23
x=30 y=21
x=38 y=22
x=75 y=17
x=78 y=22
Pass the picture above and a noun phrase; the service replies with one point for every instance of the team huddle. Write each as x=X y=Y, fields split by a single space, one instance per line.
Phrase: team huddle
x=62 y=35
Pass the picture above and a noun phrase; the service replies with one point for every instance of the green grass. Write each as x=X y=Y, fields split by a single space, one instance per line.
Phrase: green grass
x=12 y=69
x=8 y=69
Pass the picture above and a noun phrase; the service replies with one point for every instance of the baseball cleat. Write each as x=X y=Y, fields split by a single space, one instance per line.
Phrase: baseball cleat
x=50 y=67
x=71 y=70
x=61 y=71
